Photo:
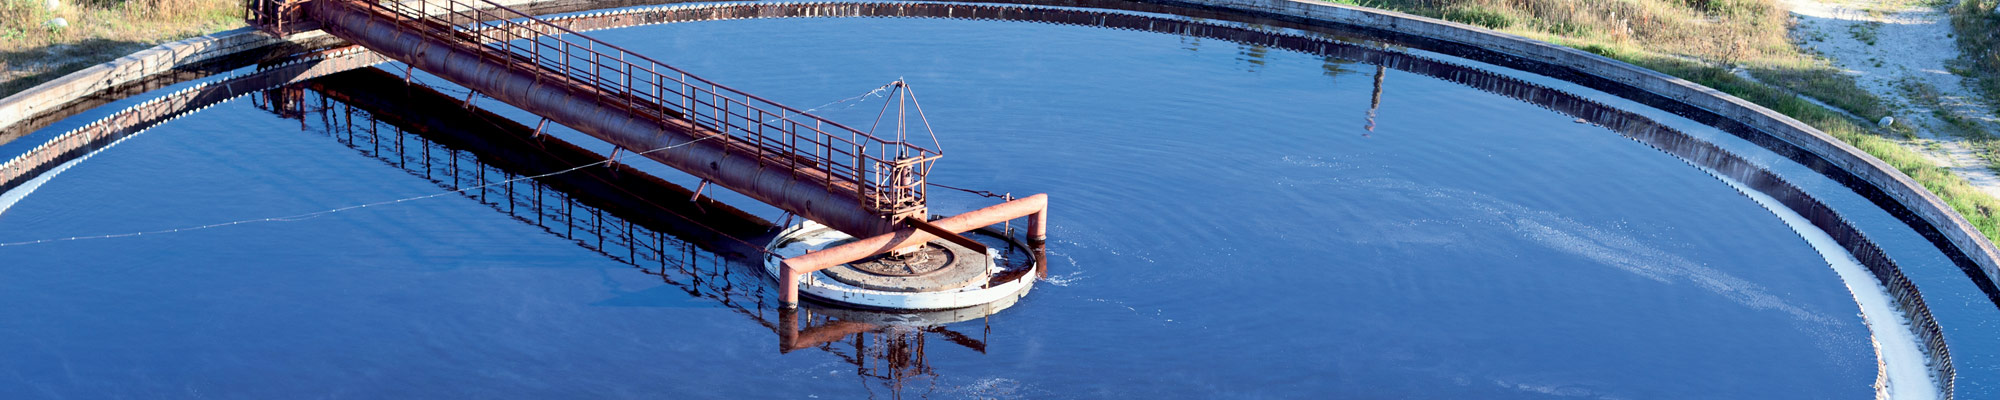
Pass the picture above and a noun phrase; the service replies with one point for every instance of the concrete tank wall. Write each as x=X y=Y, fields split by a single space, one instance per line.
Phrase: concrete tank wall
x=1973 y=246
x=1828 y=155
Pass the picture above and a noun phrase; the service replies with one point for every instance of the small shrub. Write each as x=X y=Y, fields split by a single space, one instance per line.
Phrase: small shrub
x=1601 y=50
x=1479 y=16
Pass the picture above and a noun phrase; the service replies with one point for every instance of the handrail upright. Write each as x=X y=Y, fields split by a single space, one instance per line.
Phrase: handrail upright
x=653 y=70
x=851 y=158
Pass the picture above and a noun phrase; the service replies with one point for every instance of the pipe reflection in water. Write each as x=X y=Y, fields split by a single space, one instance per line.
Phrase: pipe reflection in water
x=1375 y=101
x=618 y=211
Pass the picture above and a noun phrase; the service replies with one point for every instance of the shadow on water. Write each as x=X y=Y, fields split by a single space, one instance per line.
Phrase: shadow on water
x=1375 y=97
x=705 y=248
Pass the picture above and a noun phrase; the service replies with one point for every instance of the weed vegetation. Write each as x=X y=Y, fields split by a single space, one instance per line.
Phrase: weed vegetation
x=33 y=50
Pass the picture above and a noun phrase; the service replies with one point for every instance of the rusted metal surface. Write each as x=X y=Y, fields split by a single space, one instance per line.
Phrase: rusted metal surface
x=791 y=338
x=454 y=149
x=791 y=268
x=846 y=179
x=22 y=168
x=428 y=136
x=364 y=97
x=945 y=234
x=1695 y=151
x=279 y=17
x=457 y=148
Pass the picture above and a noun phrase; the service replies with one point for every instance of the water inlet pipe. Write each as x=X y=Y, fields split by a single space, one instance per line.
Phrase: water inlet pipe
x=1035 y=207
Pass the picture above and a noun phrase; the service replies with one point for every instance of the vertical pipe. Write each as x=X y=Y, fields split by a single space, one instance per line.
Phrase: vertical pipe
x=1038 y=226
x=788 y=285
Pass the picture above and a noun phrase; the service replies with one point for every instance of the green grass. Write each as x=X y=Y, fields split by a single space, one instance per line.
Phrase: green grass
x=1826 y=84
x=1977 y=207
x=1479 y=16
x=1984 y=144
x=1929 y=97
x=1865 y=32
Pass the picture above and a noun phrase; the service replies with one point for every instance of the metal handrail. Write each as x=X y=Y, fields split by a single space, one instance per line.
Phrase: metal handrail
x=881 y=171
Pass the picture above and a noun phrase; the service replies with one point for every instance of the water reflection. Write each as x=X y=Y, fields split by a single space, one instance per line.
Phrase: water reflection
x=1375 y=99
x=1334 y=67
x=1252 y=54
x=705 y=248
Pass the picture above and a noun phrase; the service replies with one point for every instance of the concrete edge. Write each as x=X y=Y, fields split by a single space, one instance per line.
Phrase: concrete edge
x=125 y=70
x=148 y=63
x=97 y=80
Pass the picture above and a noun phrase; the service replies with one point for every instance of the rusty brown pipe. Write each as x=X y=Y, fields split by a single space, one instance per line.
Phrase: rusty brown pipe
x=828 y=333
x=592 y=112
x=1036 y=206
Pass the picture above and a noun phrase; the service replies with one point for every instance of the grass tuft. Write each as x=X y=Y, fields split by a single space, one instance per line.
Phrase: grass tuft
x=1479 y=16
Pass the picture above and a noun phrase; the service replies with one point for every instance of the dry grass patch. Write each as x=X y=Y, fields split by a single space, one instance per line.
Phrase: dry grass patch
x=1751 y=34
x=1715 y=30
x=32 y=51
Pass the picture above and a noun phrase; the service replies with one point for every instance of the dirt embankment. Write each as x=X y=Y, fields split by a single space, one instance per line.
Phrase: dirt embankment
x=1906 y=54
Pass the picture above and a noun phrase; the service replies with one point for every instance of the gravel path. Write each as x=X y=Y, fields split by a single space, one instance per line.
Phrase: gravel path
x=1891 y=45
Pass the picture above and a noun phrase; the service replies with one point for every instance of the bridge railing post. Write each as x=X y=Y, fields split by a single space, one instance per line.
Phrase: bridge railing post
x=867 y=166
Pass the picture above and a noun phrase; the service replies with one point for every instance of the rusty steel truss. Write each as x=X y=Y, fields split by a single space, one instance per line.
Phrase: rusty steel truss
x=820 y=169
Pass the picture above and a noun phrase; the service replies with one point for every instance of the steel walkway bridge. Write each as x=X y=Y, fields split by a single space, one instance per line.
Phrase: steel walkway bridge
x=866 y=186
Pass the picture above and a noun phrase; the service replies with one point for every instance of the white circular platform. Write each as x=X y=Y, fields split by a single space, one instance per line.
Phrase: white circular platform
x=811 y=236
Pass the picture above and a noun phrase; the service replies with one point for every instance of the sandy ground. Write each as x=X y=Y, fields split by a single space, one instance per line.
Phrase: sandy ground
x=1888 y=46
x=1911 y=41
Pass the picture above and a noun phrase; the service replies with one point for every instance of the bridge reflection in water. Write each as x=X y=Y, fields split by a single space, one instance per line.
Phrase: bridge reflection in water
x=706 y=248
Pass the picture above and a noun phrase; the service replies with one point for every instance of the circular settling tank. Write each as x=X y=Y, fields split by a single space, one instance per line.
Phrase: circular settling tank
x=1231 y=220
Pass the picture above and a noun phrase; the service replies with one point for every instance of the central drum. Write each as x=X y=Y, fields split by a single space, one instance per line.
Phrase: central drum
x=935 y=276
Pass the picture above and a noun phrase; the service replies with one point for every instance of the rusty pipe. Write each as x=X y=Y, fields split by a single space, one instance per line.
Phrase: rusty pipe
x=1038 y=227
x=824 y=334
x=788 y=279
x=906 y=237
x=790 y=269
x=578 y=105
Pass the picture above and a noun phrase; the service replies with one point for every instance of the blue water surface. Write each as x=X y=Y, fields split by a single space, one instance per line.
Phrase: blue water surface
x=1225 y=224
